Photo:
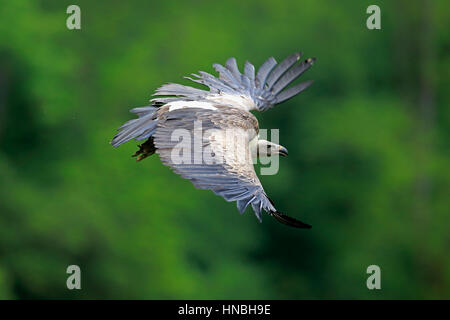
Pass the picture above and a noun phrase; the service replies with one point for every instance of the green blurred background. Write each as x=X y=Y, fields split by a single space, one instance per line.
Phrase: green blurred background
x=368 y=165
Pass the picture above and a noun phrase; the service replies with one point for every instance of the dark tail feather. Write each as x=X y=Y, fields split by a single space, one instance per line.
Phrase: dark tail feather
x=289 y=221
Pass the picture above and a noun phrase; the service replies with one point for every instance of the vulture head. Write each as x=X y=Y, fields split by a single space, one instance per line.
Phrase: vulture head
x=267 y=149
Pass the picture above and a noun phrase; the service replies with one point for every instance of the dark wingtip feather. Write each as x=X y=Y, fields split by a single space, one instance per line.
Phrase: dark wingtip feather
x=289 y=221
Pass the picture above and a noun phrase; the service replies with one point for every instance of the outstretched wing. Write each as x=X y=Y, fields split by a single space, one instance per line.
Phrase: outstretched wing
x=247 y=90
x=211 y=148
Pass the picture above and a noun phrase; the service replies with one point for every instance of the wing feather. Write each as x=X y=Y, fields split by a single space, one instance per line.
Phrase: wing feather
x=232 y=178
x=243 y=90
x=264 y=71
x=282 y=68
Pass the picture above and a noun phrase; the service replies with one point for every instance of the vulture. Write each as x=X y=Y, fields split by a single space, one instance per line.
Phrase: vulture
x=209 y=122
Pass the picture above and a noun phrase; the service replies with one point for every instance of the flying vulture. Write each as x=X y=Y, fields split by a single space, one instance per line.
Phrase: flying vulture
x=224 y=108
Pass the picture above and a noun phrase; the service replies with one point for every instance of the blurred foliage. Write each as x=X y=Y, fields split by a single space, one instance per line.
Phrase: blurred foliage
x=368 y=165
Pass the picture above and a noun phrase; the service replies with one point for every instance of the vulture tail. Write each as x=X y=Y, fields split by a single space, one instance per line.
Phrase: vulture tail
x=139 y=129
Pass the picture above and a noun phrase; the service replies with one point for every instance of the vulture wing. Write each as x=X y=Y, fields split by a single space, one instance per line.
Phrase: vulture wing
x=212 y=148
x=249 y=91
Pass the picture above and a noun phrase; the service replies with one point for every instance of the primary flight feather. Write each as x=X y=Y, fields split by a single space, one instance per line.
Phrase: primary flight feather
x=215 y=120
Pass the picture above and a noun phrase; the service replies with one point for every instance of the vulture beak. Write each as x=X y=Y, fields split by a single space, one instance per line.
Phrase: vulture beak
x=283 y=151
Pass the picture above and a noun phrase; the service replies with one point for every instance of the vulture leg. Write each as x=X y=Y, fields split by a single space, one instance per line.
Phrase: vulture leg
x=146 y=149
